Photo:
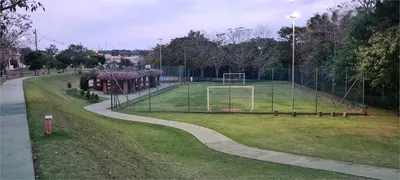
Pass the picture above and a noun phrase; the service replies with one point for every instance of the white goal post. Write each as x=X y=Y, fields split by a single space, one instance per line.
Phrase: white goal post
x=241 y=75
x=232 y=87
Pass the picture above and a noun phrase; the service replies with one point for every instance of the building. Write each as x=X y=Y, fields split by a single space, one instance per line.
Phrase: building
x=134 y=59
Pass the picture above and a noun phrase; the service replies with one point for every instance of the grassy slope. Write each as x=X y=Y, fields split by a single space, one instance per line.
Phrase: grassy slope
x=177 y=99
x=87 y=146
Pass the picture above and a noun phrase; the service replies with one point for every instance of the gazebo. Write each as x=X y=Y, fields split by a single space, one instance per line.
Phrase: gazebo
x=128 y=82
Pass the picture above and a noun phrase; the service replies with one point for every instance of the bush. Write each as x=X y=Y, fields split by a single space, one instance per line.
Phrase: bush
x=82 y=92
x=84 y=83
x=88 y=94
x=153 y=82
x=96 y=98
x=92 y=96
x=69 y=85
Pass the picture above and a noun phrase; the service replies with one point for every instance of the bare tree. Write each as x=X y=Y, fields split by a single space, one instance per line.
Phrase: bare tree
x=237 y=43
x=264 y=44
x=14 y=27
x=216 y=52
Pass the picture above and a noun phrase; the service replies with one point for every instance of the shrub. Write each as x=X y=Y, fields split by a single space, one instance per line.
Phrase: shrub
x=88 y=94
x=96 y=98
x=69 y=85
x=92 y=96
x=84 y=83
x=82 y=92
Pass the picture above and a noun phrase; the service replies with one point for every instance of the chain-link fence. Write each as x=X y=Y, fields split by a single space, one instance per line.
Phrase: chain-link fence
x=314 y=90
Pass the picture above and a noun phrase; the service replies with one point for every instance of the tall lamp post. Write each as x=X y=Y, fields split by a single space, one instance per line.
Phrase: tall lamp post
x=161 y=63
x=293 y=17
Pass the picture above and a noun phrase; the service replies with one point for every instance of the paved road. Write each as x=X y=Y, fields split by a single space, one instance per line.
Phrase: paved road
x=221 y=143
x=16 y=155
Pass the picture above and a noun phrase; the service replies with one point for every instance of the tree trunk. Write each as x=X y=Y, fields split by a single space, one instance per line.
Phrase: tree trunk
x=217 y=72
x=75 y=68
x=202 y=72
x=259 y=74
x=63 y=71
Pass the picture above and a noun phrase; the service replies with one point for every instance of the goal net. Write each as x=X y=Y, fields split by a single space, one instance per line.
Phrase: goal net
x=230 y=98
x=234 y=78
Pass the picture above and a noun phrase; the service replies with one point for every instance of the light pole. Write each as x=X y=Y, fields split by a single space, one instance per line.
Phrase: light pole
x=293 y=17
x=161 y=63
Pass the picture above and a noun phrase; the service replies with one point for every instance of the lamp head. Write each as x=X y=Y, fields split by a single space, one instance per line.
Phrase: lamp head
x=295 y=15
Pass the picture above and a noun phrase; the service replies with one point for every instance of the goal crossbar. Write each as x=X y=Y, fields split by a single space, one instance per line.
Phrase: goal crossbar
x=227 y=87
x=240 y=75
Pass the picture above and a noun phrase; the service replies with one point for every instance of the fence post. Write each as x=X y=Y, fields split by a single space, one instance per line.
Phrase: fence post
x=149 y=98
x=316 y=90
x=111 y=93
x=272 y=91
x=229 y=97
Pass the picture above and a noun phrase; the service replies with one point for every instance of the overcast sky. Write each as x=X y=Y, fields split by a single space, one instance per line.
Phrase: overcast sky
x=137 y=24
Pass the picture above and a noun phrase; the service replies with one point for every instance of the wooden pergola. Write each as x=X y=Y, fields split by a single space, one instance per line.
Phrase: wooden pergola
x=127 y=82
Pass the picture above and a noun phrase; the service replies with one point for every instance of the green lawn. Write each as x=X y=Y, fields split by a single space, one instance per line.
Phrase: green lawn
x=240 y=99
x=370 y=140
x=85 y=145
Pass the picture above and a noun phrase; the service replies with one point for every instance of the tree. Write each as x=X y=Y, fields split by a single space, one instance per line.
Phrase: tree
x=52 y=50
x=265 y=47
x=236 y=47
x=35 y=60
x=64 y=59
x=217 y=53
x=125 y=63
x=13 y=27
x=79 y=55
x=12 y=5
x=379 y=59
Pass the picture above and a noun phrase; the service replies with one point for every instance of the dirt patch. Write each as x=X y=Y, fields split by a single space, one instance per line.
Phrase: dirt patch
x=231 y=110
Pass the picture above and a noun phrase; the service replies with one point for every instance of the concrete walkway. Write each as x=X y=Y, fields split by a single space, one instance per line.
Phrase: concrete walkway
x=221 y=143
x=15 y=151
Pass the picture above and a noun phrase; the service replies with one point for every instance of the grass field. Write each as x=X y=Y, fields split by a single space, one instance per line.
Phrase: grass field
x=240 y=99
x=85 y=145
x=370 y=140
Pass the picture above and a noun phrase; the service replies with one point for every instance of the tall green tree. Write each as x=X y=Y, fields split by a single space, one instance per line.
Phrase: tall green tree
x=65 y=59
x=379 y=60
x=36 y=60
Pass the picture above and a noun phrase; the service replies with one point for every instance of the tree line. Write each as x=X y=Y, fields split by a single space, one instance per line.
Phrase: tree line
x=76 y=56
x=357 y=37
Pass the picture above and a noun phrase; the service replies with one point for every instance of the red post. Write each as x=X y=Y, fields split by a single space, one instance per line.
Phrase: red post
x=13 y=73
x=48 y=120
x=48 y=72
x=105 y=87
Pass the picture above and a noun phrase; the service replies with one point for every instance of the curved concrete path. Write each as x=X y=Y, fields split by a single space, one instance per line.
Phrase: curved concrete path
x=221 y=143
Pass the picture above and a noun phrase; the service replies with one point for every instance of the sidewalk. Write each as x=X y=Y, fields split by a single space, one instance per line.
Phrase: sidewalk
x=15 y=151
x=221 y=143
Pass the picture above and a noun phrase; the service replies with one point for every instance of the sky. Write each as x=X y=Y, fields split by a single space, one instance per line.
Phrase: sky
x=138 y=24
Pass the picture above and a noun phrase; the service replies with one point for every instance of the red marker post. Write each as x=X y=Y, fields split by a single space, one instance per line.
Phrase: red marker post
x=48 y=120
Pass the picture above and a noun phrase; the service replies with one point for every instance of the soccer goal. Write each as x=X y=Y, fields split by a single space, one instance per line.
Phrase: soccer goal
x=234 y=78
x=230 y=98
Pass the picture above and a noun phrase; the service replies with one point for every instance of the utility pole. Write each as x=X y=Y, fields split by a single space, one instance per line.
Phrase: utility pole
x=35 y=39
